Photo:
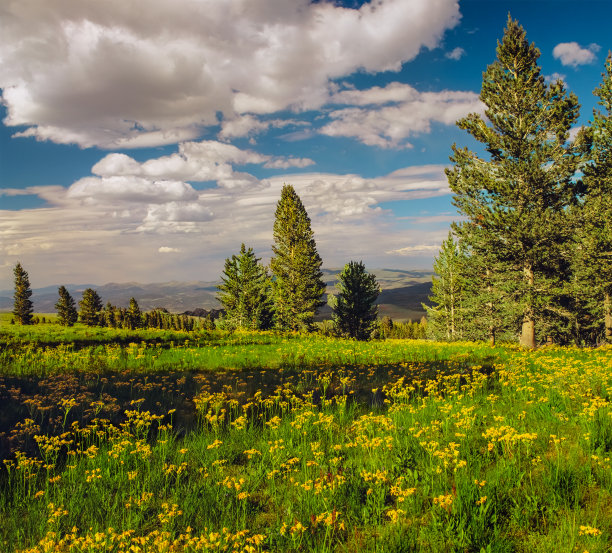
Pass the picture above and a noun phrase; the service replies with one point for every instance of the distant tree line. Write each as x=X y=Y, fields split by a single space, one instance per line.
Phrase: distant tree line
x=533 y=258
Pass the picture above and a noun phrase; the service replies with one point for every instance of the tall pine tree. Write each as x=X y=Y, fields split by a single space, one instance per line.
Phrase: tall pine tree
x=66 y=308
x=298 y=285
x=593 y=261
x=22 y=306
x=245 y=292
x=519 y=196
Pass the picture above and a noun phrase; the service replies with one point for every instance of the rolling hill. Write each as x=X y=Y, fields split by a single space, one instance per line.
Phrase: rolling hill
x=401 y=297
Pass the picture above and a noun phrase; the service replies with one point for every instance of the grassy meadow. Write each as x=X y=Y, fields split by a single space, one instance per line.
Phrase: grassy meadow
x=160 y=441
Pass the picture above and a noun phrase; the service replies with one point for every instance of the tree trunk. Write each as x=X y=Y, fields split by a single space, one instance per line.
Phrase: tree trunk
x=527 y=339
x=608 y=317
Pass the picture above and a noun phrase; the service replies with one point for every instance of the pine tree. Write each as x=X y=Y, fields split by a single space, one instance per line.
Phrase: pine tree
x=22 y=306
x=519 y=197
x=445 y=318
x=298 y=286
x=245 y=292
x=355 y=311
x=133 y=315
x=66 y=308
x=593 y=262
x=90 y=305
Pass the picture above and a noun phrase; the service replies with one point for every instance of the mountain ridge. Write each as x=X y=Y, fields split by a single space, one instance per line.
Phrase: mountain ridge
x=403 y=291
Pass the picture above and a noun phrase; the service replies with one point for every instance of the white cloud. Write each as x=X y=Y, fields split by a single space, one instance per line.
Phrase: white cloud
x=455 y=54
x=416 y=250
x=392 y=114
x=116 y=77
x=103 y=226
x=203 y=161
x=571 y=53
x=554 y=77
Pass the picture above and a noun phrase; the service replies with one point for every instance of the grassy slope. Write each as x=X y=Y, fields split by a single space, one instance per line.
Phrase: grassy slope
x=437 y=453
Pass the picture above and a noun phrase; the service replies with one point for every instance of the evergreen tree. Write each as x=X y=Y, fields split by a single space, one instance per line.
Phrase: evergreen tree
x=108 y=315
x=445 y=318
x=66 y=308
x=133 y=315
x=22 y=306
x=298 y=286
x=90 y=305
x=355 y=311
x=519 y=197
x=593 y=261
x=245 y=292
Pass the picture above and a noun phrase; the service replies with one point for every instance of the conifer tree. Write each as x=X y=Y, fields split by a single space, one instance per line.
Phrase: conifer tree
x=133 y=315
x=354 y=307
x=593 y=261
x=22 y=306
x=519 y=196
x=245 y=292
x=90 y=305
x=445 y=318
x=298 y=286
x=66 y=308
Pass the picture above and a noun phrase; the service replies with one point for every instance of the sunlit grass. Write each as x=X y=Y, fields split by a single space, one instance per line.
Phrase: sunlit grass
x=441 y=448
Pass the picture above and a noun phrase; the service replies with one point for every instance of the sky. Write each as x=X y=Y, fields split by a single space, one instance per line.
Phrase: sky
x=146 y=140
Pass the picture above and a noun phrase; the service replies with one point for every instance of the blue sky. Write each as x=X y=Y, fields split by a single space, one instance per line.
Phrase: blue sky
x=144 y=141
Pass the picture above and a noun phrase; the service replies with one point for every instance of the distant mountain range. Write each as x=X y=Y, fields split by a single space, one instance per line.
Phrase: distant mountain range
x=401 y=297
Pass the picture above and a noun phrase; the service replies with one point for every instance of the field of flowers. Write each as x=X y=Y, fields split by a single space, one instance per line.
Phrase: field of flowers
x=418 y=447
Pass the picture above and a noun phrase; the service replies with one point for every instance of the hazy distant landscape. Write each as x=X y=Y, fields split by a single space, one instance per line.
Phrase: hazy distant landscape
x=401 y=297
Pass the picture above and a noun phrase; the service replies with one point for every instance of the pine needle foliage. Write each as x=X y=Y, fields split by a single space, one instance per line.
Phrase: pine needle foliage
x=355 y=311
x=519 y=196
x=22 y=306
x=593 y=260
x=245 y=292
x=298 y=286
x=66 y=308
x=91 y=306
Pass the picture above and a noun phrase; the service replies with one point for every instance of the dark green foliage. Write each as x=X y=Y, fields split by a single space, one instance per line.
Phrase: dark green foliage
x=245 y=292
x=66 y=308
x=355 y=311
x=133 y=315
x=90 y=305
x=298 y=286
x=22 y=306
x=516 y=201
x=593 y=254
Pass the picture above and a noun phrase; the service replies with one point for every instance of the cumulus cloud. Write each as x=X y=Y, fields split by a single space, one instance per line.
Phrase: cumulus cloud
x=387 y=116
x=72 y=72
x=104 y=225
x=203 y=161
x=571 y=53
x=455 y=54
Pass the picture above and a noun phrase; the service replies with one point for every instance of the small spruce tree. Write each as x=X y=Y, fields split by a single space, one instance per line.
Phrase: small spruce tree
x=66 y=308
x=22 y=306
x=245 y=292
x=133 y=315
x=90 y=305
x=355 y=310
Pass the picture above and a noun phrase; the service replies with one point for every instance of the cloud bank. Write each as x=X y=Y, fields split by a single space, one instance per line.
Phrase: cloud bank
x=108 y=75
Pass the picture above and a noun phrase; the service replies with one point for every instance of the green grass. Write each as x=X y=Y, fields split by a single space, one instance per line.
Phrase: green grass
x=419 y=447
